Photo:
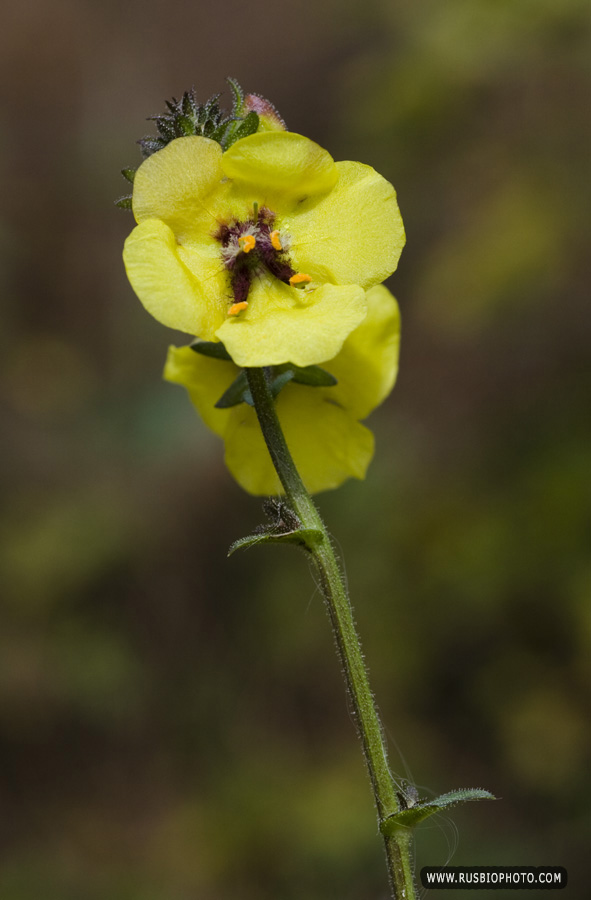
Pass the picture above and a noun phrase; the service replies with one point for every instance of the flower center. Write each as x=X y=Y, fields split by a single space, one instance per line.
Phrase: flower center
x=252 y=246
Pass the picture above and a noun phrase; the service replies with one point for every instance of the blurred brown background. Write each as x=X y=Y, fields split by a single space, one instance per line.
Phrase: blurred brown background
x=172 y=724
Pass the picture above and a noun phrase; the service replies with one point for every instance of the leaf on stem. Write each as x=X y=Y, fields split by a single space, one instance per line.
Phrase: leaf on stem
x=308 y=538
x=408 y=818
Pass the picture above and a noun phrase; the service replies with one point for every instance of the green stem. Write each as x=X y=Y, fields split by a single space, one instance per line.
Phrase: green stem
x=341 y=616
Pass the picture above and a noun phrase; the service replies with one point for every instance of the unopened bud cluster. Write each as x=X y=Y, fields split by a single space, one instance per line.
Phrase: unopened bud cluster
x=186 y=117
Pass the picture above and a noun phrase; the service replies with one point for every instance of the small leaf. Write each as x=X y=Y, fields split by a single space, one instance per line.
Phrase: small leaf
x=305 y=537
x=128 y=174
x=408 y=818
x=462 y=795
x=214 y=349
x=124 y=202
x=238 y=392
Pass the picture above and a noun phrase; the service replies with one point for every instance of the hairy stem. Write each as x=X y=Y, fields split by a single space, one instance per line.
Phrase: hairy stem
x=339 y=609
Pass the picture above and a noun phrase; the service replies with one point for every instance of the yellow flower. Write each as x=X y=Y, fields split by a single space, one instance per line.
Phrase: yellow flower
x=268 y=247
x=321 y=424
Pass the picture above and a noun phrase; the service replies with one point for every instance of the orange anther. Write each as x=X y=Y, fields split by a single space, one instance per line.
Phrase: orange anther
x=247 y=242
x=276 y=240
x=300 y=279
x=237 y=308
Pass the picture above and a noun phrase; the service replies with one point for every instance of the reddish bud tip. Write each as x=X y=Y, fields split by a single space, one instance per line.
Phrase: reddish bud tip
x=269 y=118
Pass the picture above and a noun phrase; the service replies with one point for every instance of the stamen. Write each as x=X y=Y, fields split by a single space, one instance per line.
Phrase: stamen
x=300 y=279
x=237 y=308
x=255 y=212
x=247 y=242
x=276 y=240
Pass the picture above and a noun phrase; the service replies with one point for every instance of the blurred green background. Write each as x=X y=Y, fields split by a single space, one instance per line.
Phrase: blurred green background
x=172 y=724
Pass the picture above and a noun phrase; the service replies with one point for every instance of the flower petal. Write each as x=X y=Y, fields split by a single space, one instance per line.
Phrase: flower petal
x=284 y=324
x=327 y=444
x=279 y=168
x=167 y=287
x=367 y=366
x=206 y=379
x=353 y=235
x=178 y=184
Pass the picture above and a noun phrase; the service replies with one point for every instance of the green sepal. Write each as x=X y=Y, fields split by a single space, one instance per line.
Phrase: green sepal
x=167 y=126
x=185 y=123
x=210 y=113
x=150 y=145
x=129 y=174
x=238 y=95
x=279 y=382
x=313 y=376
x=214 y=349
x=238 y=392
x=309 y=538
x=124 y=202
x=187 y=117
x=409 y=818
x=247 y=126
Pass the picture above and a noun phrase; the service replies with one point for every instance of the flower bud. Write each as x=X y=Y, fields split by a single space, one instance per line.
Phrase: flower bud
x=269 y=118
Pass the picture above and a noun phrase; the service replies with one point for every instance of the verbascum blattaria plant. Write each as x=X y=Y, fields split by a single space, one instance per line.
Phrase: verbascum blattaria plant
x=271 y=256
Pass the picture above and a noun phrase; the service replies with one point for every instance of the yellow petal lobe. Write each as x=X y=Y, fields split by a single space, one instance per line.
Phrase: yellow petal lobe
x=280 y=166
x=179 y=185
x=283 y=325
x=164 y=283
x=354 y=234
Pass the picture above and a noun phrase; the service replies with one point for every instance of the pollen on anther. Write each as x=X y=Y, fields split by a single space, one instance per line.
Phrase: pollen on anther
x=247 y=242
x=237 y=308
x=276 y=240
x=300 y=279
